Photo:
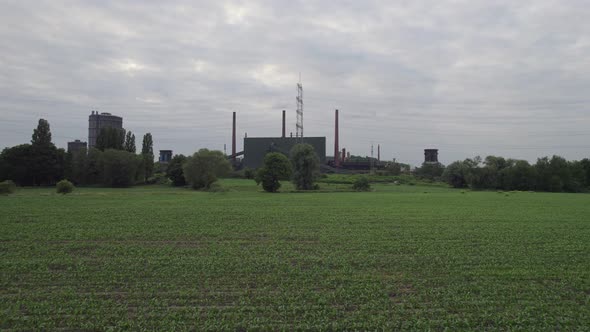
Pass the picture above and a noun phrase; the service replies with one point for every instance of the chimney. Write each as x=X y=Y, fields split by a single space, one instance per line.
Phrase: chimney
x=343 y=155
x=336 y=149
x=378 y=152
x=284 y=128
x=233 y=139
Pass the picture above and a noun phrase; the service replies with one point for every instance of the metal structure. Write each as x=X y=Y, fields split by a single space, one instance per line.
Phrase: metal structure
x=233 y=139
x=336 y=147
x=284 y=124
x=299 y=125
x=97 y=121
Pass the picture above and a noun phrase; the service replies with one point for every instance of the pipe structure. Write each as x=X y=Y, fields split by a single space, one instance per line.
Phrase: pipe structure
x=336 y=149
x=284 y=125
x=233 y=139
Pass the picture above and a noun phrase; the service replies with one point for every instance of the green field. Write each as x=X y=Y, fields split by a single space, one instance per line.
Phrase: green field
x=401 y=257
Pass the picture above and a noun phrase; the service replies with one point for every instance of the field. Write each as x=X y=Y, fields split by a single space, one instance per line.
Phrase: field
x=401 y=257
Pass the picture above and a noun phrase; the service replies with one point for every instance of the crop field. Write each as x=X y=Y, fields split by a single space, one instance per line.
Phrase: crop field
x=398 y=258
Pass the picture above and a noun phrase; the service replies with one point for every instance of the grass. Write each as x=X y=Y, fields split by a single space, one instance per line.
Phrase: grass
x=400 y=257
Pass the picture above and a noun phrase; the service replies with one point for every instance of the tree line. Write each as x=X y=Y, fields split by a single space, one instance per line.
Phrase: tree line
x=112 y=163
x=554 y=174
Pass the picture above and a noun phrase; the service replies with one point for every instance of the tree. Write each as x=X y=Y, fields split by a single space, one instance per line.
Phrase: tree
x=204 y=167
x=17 y=163
x=306 y=166
x=147 y=152
x=129 y=145
x=118 y=168
x=174 y=170
x=276 y=167
x=110 y=138
x=42 y=135
x=458 y=173
x=361 y=184
x=430 y=171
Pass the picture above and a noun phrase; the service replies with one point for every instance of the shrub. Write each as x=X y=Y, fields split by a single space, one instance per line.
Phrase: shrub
x=202 y=168
x=249 y=173
x=306 y=166
x=276 y=167
x=119 y=168
x=64 y=187
x=175 y=172
x=361 y=184
x=7 y=187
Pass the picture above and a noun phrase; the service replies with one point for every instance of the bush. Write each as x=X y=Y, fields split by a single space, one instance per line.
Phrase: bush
x=306 y=166
x=276 y=167
x=64 y=187
x=119 y=168
x=249 y=173
x=361 y=184
x=202 y=168
x=7 y=187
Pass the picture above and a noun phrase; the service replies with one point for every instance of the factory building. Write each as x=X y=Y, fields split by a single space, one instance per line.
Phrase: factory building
x=255 y=148
x=76 y=146
x=97 y=121
x=165 y=156
x=431 y=155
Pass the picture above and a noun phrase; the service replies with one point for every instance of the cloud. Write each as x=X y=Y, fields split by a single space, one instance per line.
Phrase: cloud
x=468 y=77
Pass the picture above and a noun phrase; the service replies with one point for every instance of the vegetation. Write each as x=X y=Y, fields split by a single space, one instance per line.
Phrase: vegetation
x=7 y=187
x=306 y=166
x=110 y=138
x=174 y=170
x=38 y=163
x=430 y=171
x=276 y=167
x=203 y=168
x=119 y=168
x=129 y=145
x=64 y=187
x=163 y=258
x=361 y=184
x=147 y=153
x=497 y=173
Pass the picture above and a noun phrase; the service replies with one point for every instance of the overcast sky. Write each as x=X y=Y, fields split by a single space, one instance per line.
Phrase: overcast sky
x=470 y=78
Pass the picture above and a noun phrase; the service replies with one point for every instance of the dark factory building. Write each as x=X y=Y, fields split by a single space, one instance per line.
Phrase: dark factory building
x=255 y=148
x=76 y=146
x=431 y=155
x=97 y=121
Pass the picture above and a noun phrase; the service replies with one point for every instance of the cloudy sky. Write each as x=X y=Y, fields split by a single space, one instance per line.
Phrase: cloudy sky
x=469 y=77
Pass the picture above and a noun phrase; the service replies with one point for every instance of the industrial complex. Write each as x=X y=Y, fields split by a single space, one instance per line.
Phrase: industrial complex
x=255 y=148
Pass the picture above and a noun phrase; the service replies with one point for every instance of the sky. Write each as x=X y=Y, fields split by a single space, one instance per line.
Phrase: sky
x=474 y=77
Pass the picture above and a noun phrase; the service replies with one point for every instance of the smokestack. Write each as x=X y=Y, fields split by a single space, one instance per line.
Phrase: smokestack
x=284 y=127
x=233 y=139
x=336 y=149
x=343 y=154
x=378 y=152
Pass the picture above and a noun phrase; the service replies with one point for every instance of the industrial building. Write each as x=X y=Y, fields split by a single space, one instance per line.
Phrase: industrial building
x=165 y=156
x=431 y=155
x=97 y=121
x=255 y=148
x=76 y=146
